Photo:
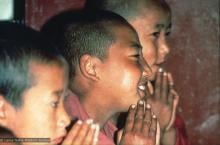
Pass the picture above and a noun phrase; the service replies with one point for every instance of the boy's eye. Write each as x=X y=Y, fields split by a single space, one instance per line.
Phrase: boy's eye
x=156 y=34
x=137 y=56
x=55 y=104
x=167 y=33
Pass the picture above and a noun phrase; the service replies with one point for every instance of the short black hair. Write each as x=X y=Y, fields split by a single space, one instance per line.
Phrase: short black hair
x=88 y=32
x=19 y=47
x=128 y=9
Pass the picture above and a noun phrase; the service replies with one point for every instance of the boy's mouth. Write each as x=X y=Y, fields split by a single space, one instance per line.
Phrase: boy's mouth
x=58 y=140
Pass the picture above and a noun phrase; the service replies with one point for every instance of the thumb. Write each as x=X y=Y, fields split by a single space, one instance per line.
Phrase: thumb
x=119 y=135
x=150 y=88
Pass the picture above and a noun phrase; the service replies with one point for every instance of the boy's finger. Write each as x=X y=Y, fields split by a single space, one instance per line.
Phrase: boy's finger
x=88 y=140
x=174 y=102
x=147 y=121
x=153 y=127
x=170 y=99
x=82 y=132
x=158 y=134
x=171 y=88
x=150 y=88
x=164 y=90
x=130 y=119
x=72 y=133
x=149 y=91
x=139 y=116
x=96 y=135
x=119 y=136
x=170 y=95
x=158 y=82
x=170 y=79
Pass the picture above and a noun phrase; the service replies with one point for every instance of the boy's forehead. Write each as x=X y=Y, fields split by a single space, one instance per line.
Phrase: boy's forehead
x=153 y=6
x=157 y=18
x=127 y=36
x=125 y=32
x=39 y=70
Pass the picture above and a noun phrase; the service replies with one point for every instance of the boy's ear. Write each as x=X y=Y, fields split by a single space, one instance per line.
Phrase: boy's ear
x=2 y=111
x=2 y=107
x=88 y=67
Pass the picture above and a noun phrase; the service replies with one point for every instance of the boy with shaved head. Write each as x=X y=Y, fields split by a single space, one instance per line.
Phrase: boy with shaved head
x=33 y=85
x=106 y=67
x=152 y=21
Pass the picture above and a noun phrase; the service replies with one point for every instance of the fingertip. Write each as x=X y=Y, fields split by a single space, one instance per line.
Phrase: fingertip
x=165 y=74
x=89 y=121
x=133 y=106
x=79 y=122
x=140 y=102
x=154 y=117
x=148 y=106
x=93 y=126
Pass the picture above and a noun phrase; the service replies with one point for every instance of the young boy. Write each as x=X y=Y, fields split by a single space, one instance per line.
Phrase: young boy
x=152 y=21
x=106 y=67
x=33 y=84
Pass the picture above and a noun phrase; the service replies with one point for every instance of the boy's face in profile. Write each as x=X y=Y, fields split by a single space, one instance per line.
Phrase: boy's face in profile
x=42 y=114
x=153 y=26
x=121 y=71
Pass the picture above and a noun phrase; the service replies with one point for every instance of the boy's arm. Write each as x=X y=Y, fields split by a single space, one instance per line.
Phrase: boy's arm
x=169 y=137
x=179 y=132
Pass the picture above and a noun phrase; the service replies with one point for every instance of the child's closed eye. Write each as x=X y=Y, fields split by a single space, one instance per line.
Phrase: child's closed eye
x=136 y=56
x=54 y=104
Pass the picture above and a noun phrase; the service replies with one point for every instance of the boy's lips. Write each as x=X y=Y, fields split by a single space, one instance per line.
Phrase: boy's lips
x=58 y=140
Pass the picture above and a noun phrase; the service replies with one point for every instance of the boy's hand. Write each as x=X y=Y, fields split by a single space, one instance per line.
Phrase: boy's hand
x=163 y=99
x=140 y=127
x=82 y=134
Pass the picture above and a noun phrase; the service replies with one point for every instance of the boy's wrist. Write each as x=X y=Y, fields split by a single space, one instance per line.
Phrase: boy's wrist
x=168 y=137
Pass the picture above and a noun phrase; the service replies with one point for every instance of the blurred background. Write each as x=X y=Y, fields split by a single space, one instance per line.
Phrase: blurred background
x=194 y=60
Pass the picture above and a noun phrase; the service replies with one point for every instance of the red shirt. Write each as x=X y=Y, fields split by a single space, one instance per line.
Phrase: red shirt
x=75 y=110
x=181 y=135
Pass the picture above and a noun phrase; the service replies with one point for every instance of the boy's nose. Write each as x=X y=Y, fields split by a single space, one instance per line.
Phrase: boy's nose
x=164 y=50
x=64 y=120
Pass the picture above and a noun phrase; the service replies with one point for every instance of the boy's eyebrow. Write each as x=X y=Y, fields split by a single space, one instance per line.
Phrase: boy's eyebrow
x=58 y=93
x=159 y=26
x=170 y=25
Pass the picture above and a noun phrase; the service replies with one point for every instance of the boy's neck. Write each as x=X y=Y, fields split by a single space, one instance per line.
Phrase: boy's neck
x=98 y=111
